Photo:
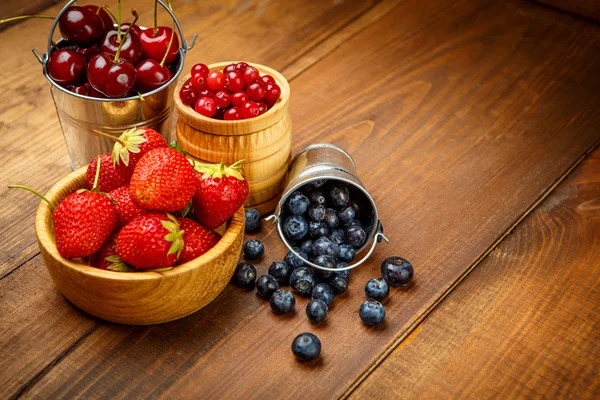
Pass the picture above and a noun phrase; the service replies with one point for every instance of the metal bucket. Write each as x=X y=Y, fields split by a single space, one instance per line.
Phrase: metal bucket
x=79 y=114
x=328 y=162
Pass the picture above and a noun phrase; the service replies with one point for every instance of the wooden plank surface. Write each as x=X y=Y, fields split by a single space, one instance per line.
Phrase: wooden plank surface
x=525 y=323
x=14 y=8
x=460 y=115
x=585 y=8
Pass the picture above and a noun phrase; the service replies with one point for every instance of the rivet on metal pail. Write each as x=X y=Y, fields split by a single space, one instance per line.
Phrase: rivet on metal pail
x=79 y=114
x=328 y=162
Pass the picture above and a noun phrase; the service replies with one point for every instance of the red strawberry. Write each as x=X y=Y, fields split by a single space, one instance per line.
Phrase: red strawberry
x=107 y=258
x=163 y=180
x=197 y=240
x=151 y=241
x=126 y=208
x=133 y=144
x=111 y=176
x=221 y=192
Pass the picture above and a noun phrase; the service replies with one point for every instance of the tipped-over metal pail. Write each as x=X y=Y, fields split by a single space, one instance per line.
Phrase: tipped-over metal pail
x=326 y=162
x=79 y=114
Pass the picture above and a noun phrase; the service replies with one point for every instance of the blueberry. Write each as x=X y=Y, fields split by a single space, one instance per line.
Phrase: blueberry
x=295 y=227
x=253 y=249
x=244 y=276
x=337 y=236
x=339 y=195
x=317 y=199
x=282 y=301
x=317 y=229
x=356 y=207
x=346 y=214
x=338 y=284
x=266 y=285
x=323 y=292
x=303 y=280
x=331 y=218
x=325 y=261
x=347 y=253
x=306 y=347
x=298 y=203
x=318 y=183
x=345 y=273
x=372 y=312
x=316 y=311
x=324 y=246
x=356 y=236
x=377 y=289
x=281 y=271
x=294 y=261
x=316 y=213
x=353 y=222
x=397 y=271
x=306 y=246
x=252 y=220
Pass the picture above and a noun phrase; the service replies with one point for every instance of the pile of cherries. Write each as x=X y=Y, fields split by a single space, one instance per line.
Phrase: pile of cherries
x=237 y=92
x=100 y=59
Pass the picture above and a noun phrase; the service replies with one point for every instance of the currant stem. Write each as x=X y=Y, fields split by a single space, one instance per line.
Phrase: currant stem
x=2 y=21
x=155 y=17
x=95 y=186
x=34 y=192
x=108 y=136
x=162 y=63
x=118 y=53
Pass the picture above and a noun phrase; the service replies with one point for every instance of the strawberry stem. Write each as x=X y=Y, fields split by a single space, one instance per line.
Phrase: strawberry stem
x=162 y=63
x=118 y=53
x=2 y=21
x=95 y=186
x=108 y=136
x=34 y=192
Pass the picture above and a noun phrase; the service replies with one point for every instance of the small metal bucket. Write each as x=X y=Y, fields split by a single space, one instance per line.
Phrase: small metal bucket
x=79 y=114
x=328 y=162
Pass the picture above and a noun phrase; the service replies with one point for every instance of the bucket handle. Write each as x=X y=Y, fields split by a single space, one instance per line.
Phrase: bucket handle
x=184 y=43
x=378 y=237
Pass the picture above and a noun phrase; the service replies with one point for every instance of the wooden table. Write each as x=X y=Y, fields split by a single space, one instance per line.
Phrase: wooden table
x=473 y=124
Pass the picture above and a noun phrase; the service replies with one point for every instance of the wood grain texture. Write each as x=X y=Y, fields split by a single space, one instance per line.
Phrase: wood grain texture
x=472 y=110
x=525 y=323
x=585 y=8
x=13 y=8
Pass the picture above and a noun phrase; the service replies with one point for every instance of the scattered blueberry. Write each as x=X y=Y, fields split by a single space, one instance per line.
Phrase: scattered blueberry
x=281 y=271
x=338 y=284
x=298 y=203
x=295 y=227
x=244 y=276
x=344 y=274
x=331 y=218
x=282 y=301
x=337 y=236
x=397 y=271
x=303 y=280
x=347 y=253
x=294 y=261
x=316 y=311
x=266 y=285
x=252 y=220
x=317 y=229
x=324 y=246
x=318 y=199
x=323 y=292
x=356 y=236
x=372 y=312
x=377 y=289
x=316 y=213
x=253 y=249
x=306 y=347
x=306 y=246
x=346 y=214
x=340 y=195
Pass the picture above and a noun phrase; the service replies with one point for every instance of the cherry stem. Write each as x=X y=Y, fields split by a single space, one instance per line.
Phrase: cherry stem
x=162 y=63
x=34 y=192
x=95 y=186
x=119 y=23
x=118 y=53
x=108 y=136
x=155 y=17
x=2 y=21
x=140 y=95
x=110 y=13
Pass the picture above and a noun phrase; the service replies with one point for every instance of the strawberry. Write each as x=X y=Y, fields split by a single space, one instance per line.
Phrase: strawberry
x=151 y=241
x=133 y=144
x=163 y=180
x=107 y=258
x=111 y=176
x=197 y=240
x=221 y=192
x=127 y=211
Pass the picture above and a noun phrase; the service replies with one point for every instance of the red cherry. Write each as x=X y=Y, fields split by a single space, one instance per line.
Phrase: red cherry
x=222 y=98
x=215 y=80
x=201 y=69
x=206 y=106
x=135 y=28
x=229 y=68
x=107 y=21
x=256 y=91
x=272 y=95
x=233 y=114
x=113 y=79
x=80 y=89
x=220 y=113
x=267 y=79
x=206 y=93
x=188 y=94
x=67 y=67
x=238 y=99
x=235 y=81
x=250 y=110
x=88 y=52
x=154 y=46
x=262 y=108
x=251 y=74
x=241 y=66
x=199 y=82
x=81 y=26
x=131 y=49
x=94 y=93
x=151 y=75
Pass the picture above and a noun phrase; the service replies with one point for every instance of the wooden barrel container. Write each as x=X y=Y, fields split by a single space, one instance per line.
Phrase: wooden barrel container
x=264 y=142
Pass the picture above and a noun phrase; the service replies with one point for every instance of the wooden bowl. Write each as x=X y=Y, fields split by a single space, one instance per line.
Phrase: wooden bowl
x=138 y=298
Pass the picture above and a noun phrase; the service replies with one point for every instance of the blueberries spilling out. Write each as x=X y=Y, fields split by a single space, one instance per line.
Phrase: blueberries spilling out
x=282 y=301
x=266 y=285
x=253 y=249
x=316 y=311
x=377 y=289
x=372 y=312
x=244 y=276
x=252 y=220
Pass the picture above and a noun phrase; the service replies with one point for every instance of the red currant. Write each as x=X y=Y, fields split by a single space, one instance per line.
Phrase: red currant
x=215 y=80
x=241 y=66
x=199 y=82
x=250 y=109
x=267 y=79
x=220 y=113
x=222 y=98
x=238 y=99
x=273 y=93
x=206 y=106
x=206 y=93
x=235 y=81
x=188 y=94
x=256 y=91
x=262 y=108
x=251 y=74
x=229 y=68
x=232 y=114
x=201 y=69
